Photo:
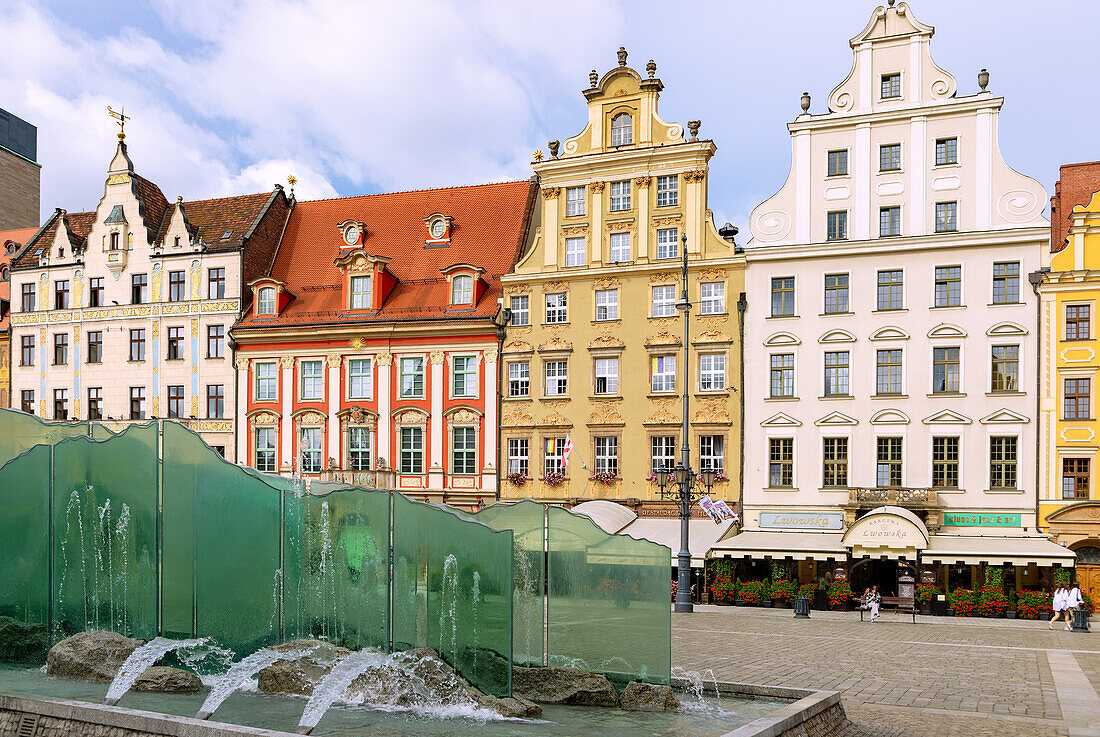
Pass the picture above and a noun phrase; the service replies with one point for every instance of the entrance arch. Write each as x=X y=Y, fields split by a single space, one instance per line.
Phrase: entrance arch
x=1088 y=566
x=881 y=544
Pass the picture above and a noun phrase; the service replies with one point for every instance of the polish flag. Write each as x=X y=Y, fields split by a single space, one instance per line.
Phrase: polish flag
x=566 y=450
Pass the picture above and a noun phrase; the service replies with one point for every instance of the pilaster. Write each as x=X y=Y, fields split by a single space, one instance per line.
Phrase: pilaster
x=436 y=426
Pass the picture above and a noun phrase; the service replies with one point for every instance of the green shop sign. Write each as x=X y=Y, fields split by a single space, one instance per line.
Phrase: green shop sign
x=961 y=519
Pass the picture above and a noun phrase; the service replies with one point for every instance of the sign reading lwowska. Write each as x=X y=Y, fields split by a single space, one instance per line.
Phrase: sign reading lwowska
x=802 y=520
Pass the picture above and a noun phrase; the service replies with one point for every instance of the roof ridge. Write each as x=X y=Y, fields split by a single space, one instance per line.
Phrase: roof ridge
x=412 y=191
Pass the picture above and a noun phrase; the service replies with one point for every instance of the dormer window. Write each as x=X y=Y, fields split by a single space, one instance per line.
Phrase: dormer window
x=266 y=301
x=438 y=229
x=361 y=293
x=891 y=86
x=462 y=290
x=622 y=130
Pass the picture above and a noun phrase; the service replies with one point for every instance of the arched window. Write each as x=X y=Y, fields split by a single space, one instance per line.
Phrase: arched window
x=622 y=130
x=462 y=290
x=267 y=301
x=4 y=274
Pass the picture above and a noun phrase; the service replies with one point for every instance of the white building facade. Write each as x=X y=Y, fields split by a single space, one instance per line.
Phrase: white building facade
x=890 y=334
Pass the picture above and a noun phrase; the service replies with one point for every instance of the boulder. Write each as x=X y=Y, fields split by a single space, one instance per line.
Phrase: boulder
x=21 y=642
x=563 y=686
x=648 y=697
x=164 y=679
x=514 y=707
x=298 y=677
x=95 y=655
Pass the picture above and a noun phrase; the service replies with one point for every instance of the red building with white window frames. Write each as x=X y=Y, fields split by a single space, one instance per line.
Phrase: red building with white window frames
x=370 y=354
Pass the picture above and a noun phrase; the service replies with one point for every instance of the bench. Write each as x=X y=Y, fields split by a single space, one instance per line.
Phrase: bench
x=896 y=604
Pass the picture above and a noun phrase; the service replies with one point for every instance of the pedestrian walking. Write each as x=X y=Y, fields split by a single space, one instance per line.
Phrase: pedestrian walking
x=1057 y=605
x=1073 y=601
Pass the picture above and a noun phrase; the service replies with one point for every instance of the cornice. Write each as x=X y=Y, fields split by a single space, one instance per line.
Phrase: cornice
x=480 y=328
x=931 y=242
x=953 y=106
x=692 y=154
x=575 y=275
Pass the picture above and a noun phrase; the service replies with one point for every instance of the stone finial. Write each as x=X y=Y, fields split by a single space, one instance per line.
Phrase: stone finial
x=179 y=198
x=890 y=3
x=805 y=102
x=553 y=146
x=693 y=128
x=983 y=79
x=651 y=67
x=593 y=78
x=621 y=53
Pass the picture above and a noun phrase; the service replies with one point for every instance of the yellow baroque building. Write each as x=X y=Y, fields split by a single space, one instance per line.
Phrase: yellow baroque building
x=1069 y=503
x=594 y=352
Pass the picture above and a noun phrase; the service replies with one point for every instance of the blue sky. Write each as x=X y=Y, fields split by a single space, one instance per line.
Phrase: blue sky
x=231 y=96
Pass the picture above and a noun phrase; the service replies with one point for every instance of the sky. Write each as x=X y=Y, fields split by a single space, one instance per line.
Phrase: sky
x=353 y=97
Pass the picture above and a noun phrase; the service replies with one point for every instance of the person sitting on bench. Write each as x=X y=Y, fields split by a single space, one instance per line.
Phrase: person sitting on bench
x=875 y=602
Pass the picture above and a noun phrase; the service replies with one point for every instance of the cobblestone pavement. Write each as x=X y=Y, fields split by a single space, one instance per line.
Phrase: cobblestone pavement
x=940 y=677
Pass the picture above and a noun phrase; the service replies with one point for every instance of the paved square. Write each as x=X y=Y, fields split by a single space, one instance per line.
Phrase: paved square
x=941 y=676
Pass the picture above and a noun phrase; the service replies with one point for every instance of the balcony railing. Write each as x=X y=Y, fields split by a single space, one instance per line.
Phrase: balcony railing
x=901 y=496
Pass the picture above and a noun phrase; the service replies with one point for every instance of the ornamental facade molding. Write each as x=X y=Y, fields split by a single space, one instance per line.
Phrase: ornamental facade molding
x=663 y=338
x=597 y=186
x=519 y=289
x=556 y=344
x=436 y=357
x=642 y=182
x=554 y=287
x=518 y=346
x=606 y=414
x=516 y=418
x=555 y=419
x=712 y=275
x=712 y=412
x=384 y=359
x=357 y=415
x=287 y=362
x=305 y=417
x=664 y=277
x=606 y=341
x=334 y=361
x=695 y=176
x=241 y=363
x=550 y=193
x=606 y=282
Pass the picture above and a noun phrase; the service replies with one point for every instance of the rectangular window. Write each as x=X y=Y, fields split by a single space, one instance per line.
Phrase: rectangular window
x=557 y=378
x=518 y=456
x=1078 y=322
x=139 y=288
x=890 y=86
x=837 y=226
x=888 y=469
x=359 y=378
x=175 y=402
x=215 y=283
x=834 y=462
x=1006 y=368
x=95 y=346
x=61 y=294
x=556 y=311
x=889 y=221
x=947 y=151
x=553 y=459
x=663 y=374
x=945 y=370
x=948 y=286
x=620 y=196
x=215 y=401
x=26 y=401
x=607 y=455
x=607 y=304
x=712 y=372
x=782 y=296
x=61 y=404
x=890 y=290
x=888 y=371
x=266 y=383
x=60 y=349
x=668 y=242
x=1075 y=478
x=1006 y=282
x=361 y=293
x=889 y=157
x=664 y=301
x=177 y=286
x=945 y=462
x=836 y=293
x=521 y=310
x=26 y=350
x=27 y=297
x=519 y=379
x=463 y=450
x=607 y=376
x=359 y=449
x=662 y=453
x=137 y=345
x=838 y=163
x=215 y=341
x=313 y=381
x=781 y=463
x=782 y=375
x=836 y=374
x=574 y=251
x=175 y=343
x=310 y=449
x=95 y=403
x=712 y=298
x=946 y=221
x=668 y=191
x=412 y=378
x=1076 y=404
x=265 y=449
x=463 y=376
x=412 y=450
x=574 y=201
x=1002 y=462
x=620 y=247
x=137 y=403
x=95 y=291
x=712 y=453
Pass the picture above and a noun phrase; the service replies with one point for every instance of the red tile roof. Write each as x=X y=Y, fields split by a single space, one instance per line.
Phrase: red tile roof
x=490 y=223
x=10 y=243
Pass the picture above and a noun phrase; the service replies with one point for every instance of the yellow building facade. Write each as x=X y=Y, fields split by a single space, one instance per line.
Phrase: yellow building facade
x=593 y=356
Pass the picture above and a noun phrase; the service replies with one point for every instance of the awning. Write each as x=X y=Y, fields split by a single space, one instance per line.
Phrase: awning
x=796 y=545
x=609 y=516
x=1016 y=551
x=702 y=535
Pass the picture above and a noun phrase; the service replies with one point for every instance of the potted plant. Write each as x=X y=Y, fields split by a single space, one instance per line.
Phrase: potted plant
x=963 y=602
x=738 y=600
x=992 y=601
x=723 y=588
x=926 y=592
x=553 y=478
x=1010 y=608
x=782 y=593
x=604 y=477
x=1032 y=604
x=755 y=593
x=840 y=595
x=516 y=478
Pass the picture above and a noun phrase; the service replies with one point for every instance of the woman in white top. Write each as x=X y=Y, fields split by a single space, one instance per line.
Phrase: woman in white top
x=1073 y=600
x=1058 y=605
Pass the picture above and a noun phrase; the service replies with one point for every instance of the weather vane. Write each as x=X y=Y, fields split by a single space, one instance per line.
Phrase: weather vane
x=292 y=180
x=121 y=117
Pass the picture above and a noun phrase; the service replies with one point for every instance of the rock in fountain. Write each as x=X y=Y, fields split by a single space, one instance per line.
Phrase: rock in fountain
x=335 y=684
x=139 y=660
x=648 y=697
x=243 y=670
x=299 y=676
x=564 y=686
x=95 y=655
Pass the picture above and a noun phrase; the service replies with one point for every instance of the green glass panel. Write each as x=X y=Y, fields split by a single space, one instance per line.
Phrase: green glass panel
x=452 y=591
x=608 y=608
x=105 y=533
x=20 y=432
x=24 y=550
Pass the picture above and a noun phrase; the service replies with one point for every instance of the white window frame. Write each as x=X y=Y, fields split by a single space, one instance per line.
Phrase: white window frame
x=266 y=301
x=364 y=378
x=619 y=248
x=575 y=251
x=412 y=393
x=462 y=289
x=665 y=306
x=712 y=298
x=662 y=374
x=575 y=201
x=353 y=451
x=607 y=304
x=557 y=371
x=519 y=456
x=519 y=379
x=712 y=453
x=668 y=190
x=525 y=310
x=668 y=242
x=606 y=458
x=667 y=454
x=273 y=394
x=712 y=372
x=605 y=373
x=317 y=381
x=619 y=200
x=560 y=312
x=360 y=297
x=622 y=134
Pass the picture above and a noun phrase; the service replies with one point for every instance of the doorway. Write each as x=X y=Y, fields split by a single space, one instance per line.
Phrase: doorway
x=883 y=573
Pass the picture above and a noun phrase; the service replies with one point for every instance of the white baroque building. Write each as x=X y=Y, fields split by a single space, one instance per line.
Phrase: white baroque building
x=890 y=332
